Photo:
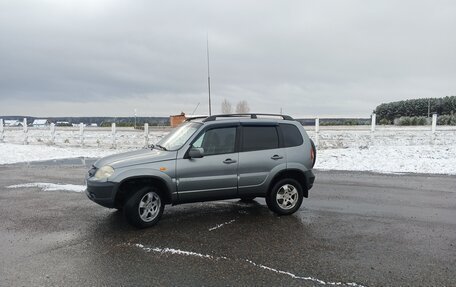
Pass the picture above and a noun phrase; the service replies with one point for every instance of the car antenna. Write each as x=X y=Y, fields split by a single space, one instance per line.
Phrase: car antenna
x=195 y=109
x=208 y=73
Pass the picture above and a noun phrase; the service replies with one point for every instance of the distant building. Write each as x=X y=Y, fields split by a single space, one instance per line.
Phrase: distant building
x=13 y=123
x=176 y=120
x=40 y=123
x=63 y=124
x=78 y=125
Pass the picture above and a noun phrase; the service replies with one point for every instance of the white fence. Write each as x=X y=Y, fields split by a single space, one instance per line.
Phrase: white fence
x=363 y=136
x=324 y=136
x=82 y=136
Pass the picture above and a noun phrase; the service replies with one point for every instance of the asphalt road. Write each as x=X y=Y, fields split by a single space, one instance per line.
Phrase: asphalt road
x=368 y=229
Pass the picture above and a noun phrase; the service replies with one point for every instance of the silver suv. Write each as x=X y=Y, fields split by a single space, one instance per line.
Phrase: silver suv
x=209 y=158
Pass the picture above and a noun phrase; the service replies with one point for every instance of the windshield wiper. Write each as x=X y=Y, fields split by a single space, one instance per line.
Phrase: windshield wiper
x=162 y=147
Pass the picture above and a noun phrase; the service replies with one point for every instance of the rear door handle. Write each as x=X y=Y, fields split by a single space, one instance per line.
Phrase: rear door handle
x=229 y=161
x=276 y=157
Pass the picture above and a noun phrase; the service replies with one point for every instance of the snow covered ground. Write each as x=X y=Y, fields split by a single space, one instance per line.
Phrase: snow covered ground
x=388 y=150
x=14 y=153
x=385 y=159
x=92 y=136
x=391 y=159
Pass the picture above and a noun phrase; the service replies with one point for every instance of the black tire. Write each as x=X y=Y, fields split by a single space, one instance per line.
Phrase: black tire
x=291 y=190
x=247 y=199
x=137 y=215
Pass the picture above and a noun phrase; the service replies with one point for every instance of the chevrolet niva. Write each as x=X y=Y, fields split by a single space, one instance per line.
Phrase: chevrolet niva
x=209 y=158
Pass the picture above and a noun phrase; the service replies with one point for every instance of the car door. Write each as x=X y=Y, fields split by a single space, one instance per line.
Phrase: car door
x=214 y=176
x=260 y=155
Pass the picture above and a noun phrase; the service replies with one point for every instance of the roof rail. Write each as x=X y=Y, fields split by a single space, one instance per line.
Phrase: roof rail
x=195 y=118
x=252 y=116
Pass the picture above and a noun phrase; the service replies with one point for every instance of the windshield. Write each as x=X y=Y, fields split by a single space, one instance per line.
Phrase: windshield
x=177 y=138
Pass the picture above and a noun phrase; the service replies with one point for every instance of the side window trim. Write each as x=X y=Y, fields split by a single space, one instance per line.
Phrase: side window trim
x=238 y=143
x=281 y=136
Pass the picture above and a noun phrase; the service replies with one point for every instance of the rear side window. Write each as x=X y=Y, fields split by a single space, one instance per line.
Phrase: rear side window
x=259 y=138
x=291 y=135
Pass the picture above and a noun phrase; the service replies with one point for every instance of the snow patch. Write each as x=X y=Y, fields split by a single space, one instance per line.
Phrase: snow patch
x=316 y=280
x=210 y=257
x=51 y=186
x=174 y=251
x=221 y=224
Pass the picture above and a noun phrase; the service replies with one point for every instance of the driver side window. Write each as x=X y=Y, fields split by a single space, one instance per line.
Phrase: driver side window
x=217 y=141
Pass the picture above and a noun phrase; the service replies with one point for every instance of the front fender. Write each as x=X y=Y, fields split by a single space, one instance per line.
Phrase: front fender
x=131 y=173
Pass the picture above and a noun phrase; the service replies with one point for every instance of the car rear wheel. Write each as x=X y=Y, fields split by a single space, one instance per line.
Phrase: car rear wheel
x=285 y=197
x=144 y=208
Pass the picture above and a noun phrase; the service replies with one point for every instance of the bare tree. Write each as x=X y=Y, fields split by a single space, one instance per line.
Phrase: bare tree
x=242 y=107
x=226 y=107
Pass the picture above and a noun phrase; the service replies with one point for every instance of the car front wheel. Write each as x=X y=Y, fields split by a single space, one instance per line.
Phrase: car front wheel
x=144 y=208
x=285 y=197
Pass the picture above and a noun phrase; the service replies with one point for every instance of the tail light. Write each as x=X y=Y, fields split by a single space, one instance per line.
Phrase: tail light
x=312 y=155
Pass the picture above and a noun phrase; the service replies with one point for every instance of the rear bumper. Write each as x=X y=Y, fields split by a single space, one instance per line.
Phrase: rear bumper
x=102 y=193
x=310 y=178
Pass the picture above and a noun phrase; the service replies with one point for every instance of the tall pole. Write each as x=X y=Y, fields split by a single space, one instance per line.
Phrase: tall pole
x=429 y=107
x=208 y=74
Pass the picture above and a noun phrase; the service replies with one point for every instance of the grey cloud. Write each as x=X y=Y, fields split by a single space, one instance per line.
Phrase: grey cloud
x=308 y=57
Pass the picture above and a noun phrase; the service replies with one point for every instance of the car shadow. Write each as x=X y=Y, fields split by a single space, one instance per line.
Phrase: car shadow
x=204 y=222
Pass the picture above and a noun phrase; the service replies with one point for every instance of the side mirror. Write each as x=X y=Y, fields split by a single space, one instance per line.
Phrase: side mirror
x=196 y=152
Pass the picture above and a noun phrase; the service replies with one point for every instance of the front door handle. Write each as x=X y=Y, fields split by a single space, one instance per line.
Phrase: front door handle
x=276 y=157
x=229 y=161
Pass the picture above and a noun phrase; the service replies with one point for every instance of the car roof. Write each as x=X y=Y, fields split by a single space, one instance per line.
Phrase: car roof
x=243 y=118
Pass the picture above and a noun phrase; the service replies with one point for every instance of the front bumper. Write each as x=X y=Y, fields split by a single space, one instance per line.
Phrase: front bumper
x=102 y=193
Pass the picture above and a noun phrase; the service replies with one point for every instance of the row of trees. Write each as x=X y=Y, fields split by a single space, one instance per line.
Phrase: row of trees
x=387 y=112
x=242 y=107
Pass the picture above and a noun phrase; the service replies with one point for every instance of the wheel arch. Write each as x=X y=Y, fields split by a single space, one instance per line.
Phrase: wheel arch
x=295 y=174
x=129 y=185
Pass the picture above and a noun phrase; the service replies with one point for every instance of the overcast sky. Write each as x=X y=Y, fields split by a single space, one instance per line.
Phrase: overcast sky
x=310 y=58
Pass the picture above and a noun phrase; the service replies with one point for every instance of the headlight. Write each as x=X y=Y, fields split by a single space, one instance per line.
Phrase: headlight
x=104 y=172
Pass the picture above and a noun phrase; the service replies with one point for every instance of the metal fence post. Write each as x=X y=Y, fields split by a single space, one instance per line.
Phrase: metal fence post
x=81 y=134
x=52 y=133
x=317 y=131
x=25 y=127
x=113 y=135
x=434 y=123
x=146 y=134
x=373 y=121
x=2 y=135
